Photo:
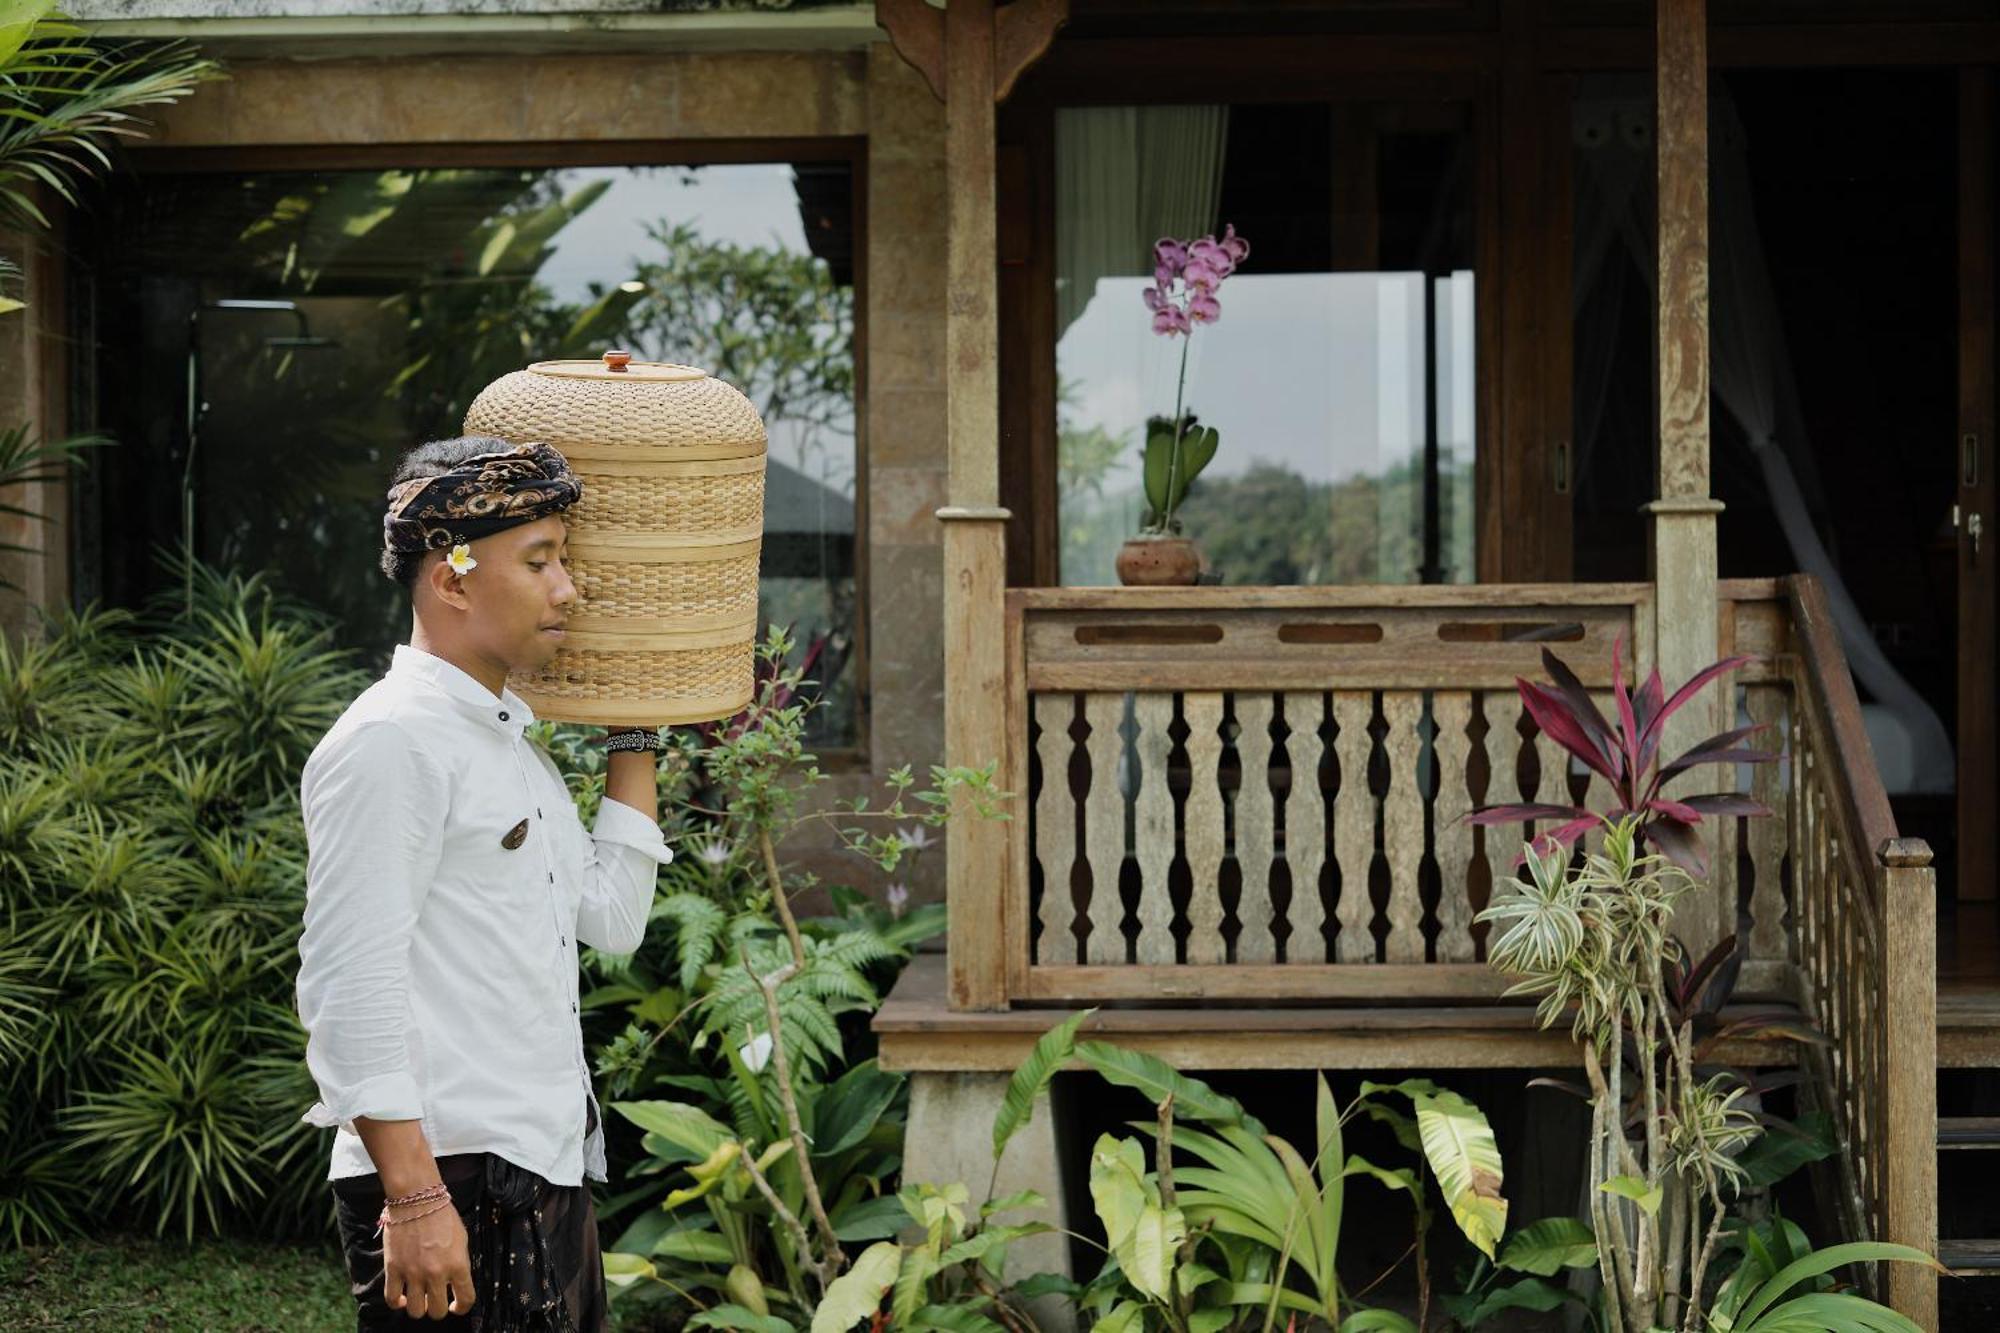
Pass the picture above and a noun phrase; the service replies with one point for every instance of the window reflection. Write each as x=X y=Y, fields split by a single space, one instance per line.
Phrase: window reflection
x=1341 y=375
x=269 y=343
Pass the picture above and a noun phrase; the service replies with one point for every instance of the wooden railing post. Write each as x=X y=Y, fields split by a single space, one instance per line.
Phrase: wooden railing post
x=1909 y=1070
x=978 y=854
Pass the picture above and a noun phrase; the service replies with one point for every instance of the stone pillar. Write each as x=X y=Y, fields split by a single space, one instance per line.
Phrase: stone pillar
x=950 y=1138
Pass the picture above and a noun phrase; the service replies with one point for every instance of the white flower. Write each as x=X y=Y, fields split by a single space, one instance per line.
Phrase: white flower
x=757 y=1053
x=914 y=838
x=713 y=852
x=461 y=560
x=899 y=899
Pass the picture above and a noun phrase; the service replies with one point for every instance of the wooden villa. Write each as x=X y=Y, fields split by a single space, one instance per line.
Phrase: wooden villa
x=1566 y=324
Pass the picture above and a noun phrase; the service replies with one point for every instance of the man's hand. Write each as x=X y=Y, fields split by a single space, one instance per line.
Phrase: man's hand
x=426 y=1266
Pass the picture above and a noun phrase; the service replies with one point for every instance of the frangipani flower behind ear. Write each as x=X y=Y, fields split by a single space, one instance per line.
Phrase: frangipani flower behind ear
x=461 y=560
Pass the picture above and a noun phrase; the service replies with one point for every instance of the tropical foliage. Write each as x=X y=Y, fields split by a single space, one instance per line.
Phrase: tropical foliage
x=1591 y=936
x=152 y=863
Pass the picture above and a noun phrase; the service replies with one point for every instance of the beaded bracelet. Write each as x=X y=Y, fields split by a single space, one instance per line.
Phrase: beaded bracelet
x=634 y=739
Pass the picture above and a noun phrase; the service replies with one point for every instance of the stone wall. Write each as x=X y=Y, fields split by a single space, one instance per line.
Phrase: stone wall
x=734 y=95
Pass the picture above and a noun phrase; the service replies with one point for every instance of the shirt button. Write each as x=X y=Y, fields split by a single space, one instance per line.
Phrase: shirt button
x=538 y=812
x=552 y=877
x=503 y=716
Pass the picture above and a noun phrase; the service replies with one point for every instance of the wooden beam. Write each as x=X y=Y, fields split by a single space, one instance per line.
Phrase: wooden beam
x=1023 y=32
x=1909 y=1070
x=916 y=30
x=1978 y=870
x=1682 y=536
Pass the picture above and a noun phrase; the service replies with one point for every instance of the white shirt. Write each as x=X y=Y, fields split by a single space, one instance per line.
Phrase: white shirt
x=438 y=967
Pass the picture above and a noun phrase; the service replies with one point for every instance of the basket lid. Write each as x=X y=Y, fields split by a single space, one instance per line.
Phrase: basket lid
x=617 y=365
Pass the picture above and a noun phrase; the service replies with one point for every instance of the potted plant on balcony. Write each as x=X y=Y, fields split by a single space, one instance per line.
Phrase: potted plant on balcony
x=1186 y=279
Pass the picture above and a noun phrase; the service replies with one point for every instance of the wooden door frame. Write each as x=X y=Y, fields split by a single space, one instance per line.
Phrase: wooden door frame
x=1978 y=754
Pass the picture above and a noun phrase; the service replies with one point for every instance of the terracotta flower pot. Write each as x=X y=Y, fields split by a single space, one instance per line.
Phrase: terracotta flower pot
x=1159 y=562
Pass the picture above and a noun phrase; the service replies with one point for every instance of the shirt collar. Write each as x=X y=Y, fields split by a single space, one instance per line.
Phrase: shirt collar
x=509 y=713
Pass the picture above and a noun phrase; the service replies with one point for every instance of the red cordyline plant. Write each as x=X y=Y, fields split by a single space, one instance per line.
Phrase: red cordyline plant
x=1627 y=755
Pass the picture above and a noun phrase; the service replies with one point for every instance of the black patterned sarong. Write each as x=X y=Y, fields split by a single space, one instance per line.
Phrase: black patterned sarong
x=536 y=1266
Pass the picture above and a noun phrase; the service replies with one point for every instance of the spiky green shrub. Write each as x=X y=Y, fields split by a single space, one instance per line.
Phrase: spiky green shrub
x=152 y=871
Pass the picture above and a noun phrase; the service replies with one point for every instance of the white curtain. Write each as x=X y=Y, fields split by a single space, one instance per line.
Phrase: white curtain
x=1751 y=373
x=1125 y=177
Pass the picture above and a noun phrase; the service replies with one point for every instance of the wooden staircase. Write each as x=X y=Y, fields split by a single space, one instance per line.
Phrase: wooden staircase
x=1968 y=1038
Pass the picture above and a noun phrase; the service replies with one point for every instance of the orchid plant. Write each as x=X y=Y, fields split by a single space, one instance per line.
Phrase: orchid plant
x=1187 y=277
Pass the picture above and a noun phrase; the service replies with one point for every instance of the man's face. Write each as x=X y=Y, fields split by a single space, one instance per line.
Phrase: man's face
x=521 y=594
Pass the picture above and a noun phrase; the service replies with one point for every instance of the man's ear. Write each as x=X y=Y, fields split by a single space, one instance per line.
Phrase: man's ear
x=445 y=583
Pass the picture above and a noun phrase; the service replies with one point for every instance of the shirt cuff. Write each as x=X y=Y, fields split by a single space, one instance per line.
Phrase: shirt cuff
x=620 y=823
x=384 y=1097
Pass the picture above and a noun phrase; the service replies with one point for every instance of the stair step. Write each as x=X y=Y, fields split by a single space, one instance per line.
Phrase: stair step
x=1968 y=1131
x=1970 y=1258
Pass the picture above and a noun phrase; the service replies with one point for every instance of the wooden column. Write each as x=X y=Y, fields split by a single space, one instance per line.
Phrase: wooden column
x=1682 y=541
x=1909 y=1071
x=971 y=53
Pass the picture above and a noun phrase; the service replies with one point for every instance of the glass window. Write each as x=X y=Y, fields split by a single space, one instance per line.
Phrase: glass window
x=268 y=343
x=1340 y=377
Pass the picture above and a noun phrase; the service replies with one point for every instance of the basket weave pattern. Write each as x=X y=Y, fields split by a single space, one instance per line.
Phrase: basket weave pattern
x=677 y=506
x=679 y=686
x=607 y=589
x=651 y=418
x=672 y=463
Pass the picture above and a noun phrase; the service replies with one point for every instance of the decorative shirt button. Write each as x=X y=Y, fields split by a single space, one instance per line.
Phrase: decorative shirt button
x=503 y=716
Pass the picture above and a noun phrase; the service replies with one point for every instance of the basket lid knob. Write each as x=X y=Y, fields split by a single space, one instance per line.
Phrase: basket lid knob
x=617 y=361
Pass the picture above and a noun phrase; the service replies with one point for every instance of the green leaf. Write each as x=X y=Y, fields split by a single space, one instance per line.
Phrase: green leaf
x=8 y=305
x=1024 y=1199
x=18 y=19
x=952 y=1319
x=622 y=1270
x=1051 y=1053
x=1550 y=1244
x=1824 y=1261
x=848 y=1109
x=857 y=1293
x=1832 y=1312
x=1147 y=1256
x=1465 y=1158
x=1781 y=1151
x=688 y=1127
x=1402 y=1178
x=736 y=1317
x=1117 y=1185
x=1632 y=1187
x=871 y=1219
x=1154 y=1077
x=1125 y=1317
x=1377 y=1321
x=694 y=1247
x=1531 y=1293
x=975 y=1248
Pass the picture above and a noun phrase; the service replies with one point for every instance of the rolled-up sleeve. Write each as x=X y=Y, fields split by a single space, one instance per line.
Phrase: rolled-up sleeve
x=373 y=844
x=627 y=851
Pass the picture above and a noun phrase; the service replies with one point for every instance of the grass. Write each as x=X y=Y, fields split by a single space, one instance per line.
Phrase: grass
x=135 y=1284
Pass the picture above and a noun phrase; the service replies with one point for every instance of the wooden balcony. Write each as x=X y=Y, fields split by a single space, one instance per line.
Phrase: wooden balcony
x=1239 y=830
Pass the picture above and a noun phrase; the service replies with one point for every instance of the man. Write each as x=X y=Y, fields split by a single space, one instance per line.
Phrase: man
x=449 y=885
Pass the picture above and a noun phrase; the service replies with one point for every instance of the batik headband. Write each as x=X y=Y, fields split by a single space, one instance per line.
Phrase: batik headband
x=485 y=494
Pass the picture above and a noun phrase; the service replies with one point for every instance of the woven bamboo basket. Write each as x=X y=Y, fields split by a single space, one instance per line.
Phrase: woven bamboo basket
x=663 y=545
